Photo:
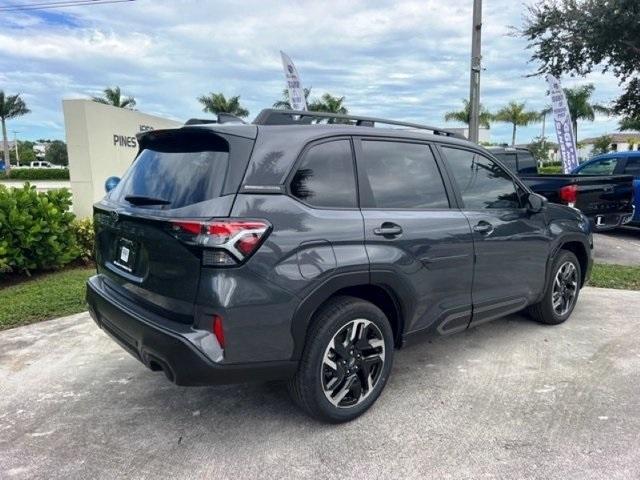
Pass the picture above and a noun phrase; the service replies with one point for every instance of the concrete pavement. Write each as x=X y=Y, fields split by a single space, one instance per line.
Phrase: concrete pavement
x=509 y=399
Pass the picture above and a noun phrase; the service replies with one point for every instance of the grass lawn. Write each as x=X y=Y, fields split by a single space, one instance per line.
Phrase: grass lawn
x=615 y=276
x=43 y=297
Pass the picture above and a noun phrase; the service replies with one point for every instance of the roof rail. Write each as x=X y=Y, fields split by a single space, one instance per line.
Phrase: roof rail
x=273 y=116
x=221 y=118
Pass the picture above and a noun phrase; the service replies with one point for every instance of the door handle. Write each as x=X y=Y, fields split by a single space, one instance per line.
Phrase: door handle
x=483 y=227
x=388 y=229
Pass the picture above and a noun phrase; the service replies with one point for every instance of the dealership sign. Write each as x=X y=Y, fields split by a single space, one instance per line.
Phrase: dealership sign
x=294 y=86
x=564 y=127
x=129 y=141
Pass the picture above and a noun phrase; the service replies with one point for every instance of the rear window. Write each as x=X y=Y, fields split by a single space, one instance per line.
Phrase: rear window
x=193 y=174
x=526 y=164
x=509 y=161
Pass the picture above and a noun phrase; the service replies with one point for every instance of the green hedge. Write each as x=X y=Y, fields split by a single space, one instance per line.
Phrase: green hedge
x=38 y=232
x=36 y=174
x=550 y=170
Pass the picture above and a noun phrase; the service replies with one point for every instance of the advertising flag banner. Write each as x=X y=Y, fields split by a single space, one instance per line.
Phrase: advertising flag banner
x=564 y=127
x=296 y=92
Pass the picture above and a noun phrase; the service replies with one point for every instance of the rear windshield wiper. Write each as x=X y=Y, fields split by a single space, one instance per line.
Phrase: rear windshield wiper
x=142 y=200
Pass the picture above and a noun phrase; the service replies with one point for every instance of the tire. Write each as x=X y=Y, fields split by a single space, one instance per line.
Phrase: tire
x=545 y=311
x=340 y=319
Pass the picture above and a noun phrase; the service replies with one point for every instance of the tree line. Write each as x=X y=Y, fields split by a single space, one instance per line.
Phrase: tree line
x=515 y=113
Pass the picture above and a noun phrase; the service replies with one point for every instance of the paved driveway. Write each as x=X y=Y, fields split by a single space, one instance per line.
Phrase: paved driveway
x=620 y=246
x=509 y=399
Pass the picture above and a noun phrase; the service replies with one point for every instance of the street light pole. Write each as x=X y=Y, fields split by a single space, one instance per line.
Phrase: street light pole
x=476 y=61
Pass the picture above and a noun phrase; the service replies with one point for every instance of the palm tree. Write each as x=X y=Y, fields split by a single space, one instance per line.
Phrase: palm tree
x=630 y=123
x=328 y=103
x=217 y=103
x=515 y=114
x=113 y=97
x=11 y=106
x=463 y=116
x=285 y=104
x=579 y=106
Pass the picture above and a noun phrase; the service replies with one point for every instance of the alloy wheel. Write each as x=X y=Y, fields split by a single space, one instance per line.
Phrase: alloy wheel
x=565 y=288
x=353 y=363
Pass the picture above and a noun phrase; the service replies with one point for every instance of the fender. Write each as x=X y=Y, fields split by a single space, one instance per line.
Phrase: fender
x=557 y=245
x=311 y=302
x=387 y=280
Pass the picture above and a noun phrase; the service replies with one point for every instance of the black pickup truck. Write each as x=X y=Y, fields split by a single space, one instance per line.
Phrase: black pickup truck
x=606 y=200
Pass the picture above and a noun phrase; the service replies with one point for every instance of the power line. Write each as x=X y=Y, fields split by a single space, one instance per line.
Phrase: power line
x=59 y=4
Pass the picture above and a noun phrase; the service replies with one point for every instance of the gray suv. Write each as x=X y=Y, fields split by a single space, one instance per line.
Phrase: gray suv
x=307 y=247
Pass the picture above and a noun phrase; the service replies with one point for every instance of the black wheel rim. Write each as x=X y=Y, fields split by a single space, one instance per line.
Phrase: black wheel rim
x=565 y=288
x=352 y=364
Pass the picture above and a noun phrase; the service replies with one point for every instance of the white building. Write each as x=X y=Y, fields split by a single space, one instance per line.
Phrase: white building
x=620 y=142
x=40 y=149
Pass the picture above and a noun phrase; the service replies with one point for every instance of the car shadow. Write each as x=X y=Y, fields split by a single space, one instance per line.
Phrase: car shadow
x=229 y=406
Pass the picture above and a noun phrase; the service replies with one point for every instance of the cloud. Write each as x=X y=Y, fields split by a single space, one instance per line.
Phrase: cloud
x=405 y=60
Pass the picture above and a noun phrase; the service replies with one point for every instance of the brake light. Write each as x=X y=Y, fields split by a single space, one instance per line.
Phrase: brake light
x=218 y=330
x=226 y=242
x=569 y=194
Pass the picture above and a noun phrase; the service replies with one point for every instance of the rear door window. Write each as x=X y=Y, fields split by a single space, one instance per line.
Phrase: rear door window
x=325 y=177
x=400 y=175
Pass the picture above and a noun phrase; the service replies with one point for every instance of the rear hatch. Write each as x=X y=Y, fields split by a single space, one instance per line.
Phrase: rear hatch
x=192 y=173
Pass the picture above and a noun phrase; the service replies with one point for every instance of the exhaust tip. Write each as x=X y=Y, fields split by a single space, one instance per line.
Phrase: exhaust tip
x=156 y=365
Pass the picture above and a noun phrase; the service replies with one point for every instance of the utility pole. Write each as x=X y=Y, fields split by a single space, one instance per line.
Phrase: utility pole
x=15 y=144
x=476 y=66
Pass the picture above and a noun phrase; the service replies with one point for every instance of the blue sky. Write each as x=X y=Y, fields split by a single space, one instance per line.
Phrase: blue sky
x=405 y=60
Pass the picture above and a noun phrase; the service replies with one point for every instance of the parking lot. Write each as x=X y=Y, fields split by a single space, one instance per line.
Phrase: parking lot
x=620 y=246
x=509 y=399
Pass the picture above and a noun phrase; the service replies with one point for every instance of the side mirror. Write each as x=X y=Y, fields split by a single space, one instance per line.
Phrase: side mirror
x=535 y=203
x=110 y=183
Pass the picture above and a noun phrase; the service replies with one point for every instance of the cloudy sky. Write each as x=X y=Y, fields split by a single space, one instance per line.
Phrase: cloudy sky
x=400 y=59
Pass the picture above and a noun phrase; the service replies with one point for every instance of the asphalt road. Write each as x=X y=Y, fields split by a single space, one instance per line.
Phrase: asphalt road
x=620 y=246
x=509 y=399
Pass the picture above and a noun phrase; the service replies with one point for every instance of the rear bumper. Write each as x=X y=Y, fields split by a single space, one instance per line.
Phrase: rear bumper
x=176 y=351
x=608 y=221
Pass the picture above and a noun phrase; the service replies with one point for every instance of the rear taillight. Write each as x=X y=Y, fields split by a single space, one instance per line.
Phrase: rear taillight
x=226 y=242
x=569 y=194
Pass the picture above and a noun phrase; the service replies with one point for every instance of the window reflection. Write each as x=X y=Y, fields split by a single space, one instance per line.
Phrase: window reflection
x=482 y=182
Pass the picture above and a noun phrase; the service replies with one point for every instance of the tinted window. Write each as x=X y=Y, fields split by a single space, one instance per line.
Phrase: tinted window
x=605 y=166
x=526 y=163
x=180 y=178
x=509 y=161
x=402 y=175
x=482 y=182
x=633 y=166
x=325 y=176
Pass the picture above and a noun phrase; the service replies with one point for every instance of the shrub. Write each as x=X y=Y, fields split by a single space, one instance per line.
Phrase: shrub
x=550 y=170
x=37 y=174
x=36 y=230
x=85 y=238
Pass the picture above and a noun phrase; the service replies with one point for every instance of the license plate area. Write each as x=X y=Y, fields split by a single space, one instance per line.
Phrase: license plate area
x=126 y=252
